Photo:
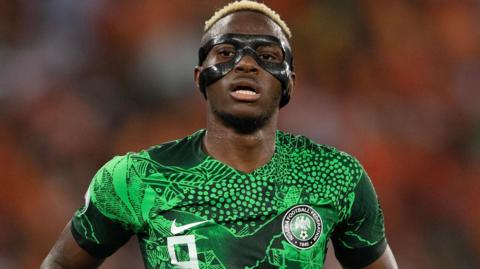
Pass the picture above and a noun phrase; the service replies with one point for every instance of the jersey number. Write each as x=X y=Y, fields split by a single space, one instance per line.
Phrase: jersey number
x=188 y=240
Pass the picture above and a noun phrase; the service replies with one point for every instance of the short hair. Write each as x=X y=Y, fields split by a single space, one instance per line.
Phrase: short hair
x=247 y=5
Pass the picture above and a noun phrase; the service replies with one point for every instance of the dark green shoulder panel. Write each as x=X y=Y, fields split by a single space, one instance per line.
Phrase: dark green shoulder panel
x=184 y=153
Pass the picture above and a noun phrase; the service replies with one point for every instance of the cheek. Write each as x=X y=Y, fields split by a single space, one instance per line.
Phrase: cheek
x=215 y=89
x=274 y=85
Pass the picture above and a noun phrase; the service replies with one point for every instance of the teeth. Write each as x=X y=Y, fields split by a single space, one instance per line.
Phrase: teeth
x=246 y=92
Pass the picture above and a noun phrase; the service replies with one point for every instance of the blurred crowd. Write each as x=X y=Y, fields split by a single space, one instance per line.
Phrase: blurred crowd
x=395 y=83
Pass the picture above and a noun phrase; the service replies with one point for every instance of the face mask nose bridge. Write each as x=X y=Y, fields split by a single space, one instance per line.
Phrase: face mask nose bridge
x=242 y=53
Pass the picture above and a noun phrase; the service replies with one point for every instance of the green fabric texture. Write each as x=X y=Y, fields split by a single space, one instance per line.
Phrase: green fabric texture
x=191 y=211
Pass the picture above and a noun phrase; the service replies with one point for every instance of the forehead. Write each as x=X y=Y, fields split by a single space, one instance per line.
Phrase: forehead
x=245 y=22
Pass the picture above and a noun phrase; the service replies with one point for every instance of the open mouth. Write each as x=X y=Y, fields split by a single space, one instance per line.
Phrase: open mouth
x=244 y=93
x=245 y=90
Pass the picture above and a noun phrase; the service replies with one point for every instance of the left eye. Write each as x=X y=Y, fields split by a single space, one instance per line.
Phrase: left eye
x=267 y=57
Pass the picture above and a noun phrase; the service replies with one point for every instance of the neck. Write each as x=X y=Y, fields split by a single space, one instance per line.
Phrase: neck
x=244 y=152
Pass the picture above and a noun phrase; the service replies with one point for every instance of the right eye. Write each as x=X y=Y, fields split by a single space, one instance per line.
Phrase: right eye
x=226 y=52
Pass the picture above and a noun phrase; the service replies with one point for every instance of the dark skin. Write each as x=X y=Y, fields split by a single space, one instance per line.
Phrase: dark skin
x=67 y=254
x=244 y=152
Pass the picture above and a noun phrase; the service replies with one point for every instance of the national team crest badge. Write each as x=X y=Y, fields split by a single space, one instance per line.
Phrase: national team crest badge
x=302 y=226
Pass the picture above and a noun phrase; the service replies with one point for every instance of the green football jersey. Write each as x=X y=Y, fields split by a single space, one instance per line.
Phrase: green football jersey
x=189 y=210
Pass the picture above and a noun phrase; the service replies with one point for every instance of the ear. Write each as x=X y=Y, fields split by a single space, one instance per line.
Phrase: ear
x=196 y=75
x=291 y=82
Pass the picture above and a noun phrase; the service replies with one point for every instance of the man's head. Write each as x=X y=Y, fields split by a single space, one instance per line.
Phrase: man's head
x=245 y=65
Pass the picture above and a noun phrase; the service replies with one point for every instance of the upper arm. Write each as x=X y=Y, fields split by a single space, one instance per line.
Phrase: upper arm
x=359 y=240
x=67 y=254
x=108 y=219
x=386 y=261
x=102 y=225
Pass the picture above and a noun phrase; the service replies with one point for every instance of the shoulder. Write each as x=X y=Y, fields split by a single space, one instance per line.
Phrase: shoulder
x=330 y=159
x=130 y=171
x=183 y=152
x=110 y=191
x=332 y=169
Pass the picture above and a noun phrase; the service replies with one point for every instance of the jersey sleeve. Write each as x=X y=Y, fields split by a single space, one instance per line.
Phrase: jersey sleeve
x=360 y=239
x=108 y=218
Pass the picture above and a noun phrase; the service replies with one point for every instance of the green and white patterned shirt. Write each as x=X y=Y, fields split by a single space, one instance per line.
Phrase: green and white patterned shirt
x=189 y=210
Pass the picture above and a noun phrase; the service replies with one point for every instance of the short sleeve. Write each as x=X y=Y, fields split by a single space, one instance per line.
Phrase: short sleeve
x=360 y=239
x=108 y=219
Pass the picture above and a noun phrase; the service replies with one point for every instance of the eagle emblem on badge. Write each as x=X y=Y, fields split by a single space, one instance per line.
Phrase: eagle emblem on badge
x=302 y=226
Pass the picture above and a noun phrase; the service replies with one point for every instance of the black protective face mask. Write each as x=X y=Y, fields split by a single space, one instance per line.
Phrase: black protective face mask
x=247 y=45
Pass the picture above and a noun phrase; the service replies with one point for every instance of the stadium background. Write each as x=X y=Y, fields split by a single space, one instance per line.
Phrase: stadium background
x=395 y=83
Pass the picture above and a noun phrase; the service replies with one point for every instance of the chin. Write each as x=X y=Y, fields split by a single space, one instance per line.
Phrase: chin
x=243 y=123
x=247 y=111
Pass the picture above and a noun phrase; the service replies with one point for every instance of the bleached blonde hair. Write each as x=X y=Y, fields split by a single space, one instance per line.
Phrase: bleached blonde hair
x=245 y=5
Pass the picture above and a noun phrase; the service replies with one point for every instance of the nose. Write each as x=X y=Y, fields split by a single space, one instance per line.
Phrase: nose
x=246 y=65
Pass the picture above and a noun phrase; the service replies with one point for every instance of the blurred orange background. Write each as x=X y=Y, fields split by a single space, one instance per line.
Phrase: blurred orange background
x=395 y=83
